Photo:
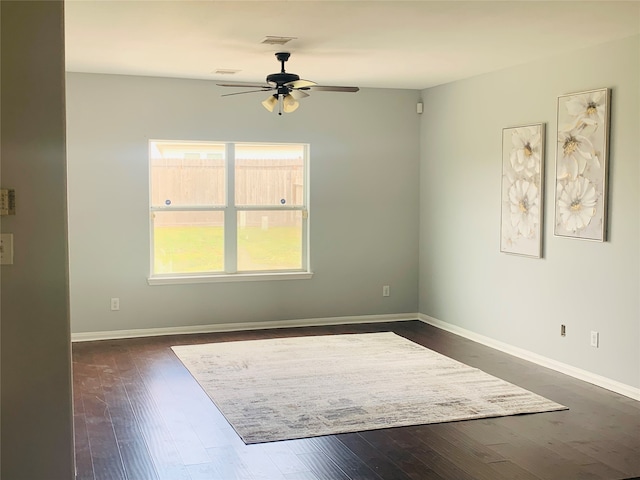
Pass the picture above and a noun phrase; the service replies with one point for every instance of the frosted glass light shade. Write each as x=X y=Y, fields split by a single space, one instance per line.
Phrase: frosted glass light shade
x=289 y=104
x=270 y=103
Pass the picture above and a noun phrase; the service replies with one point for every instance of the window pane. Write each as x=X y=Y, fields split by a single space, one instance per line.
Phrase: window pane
x=269 y=240
x=188 y=242
x=187 y=174
x=269 y=175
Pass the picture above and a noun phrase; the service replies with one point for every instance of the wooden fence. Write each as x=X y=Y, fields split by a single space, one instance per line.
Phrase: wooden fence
x=201 y=182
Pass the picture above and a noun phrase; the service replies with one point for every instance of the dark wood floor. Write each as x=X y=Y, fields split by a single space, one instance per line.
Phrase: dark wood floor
x=139 y=415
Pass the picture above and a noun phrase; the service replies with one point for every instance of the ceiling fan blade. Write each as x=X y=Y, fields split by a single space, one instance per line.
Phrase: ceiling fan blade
x=300 y=83
x=248 y=91
x=298 y=94
x=244 y=84
x=330 y=88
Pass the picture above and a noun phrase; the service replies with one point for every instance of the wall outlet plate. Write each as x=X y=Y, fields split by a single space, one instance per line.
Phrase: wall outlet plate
x=595 y=339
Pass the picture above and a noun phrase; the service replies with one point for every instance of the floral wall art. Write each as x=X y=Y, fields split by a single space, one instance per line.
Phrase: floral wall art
x=581 y=165
x=522 y=190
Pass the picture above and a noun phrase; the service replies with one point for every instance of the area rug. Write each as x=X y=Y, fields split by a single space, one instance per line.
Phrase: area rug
x=287 y=388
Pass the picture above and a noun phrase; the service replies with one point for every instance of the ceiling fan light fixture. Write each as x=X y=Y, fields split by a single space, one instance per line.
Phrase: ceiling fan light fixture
x=287 y=88
x=270 y=103
x=289 y=104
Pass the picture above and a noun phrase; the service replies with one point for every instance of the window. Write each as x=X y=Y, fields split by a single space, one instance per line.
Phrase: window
x=228 y=209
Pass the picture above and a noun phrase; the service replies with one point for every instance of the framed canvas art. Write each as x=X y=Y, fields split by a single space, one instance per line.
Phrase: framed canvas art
x=582 y=164
x=522 y=190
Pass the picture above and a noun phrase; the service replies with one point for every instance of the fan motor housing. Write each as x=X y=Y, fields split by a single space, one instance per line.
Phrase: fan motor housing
x=282 y=78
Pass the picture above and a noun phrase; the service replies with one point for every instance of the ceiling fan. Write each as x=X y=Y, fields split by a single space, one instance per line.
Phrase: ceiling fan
x=287 y=88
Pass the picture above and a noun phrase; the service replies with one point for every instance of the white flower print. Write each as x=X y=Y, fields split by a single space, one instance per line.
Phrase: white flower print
x=588 y=110
x=524 y=207
x=577 y=201
x=577 y=152
x=525 y=155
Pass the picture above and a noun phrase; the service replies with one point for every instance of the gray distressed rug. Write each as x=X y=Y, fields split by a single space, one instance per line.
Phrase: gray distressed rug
x=286 y=388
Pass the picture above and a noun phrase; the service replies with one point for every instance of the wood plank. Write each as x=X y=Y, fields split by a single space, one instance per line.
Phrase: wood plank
x=260 y=463
x=454 y=455
x=508 y=469
x=322 y=466
x=135 y=455
x=206 y=471
x=105 y=453
x=151 y=425
x=229 y=464
x=284 y=456
x=84 y=465
x=422 y=458
x=349 y=462
x=542 y=462
x=185 y=439
x=301 y=476
x=374 y=459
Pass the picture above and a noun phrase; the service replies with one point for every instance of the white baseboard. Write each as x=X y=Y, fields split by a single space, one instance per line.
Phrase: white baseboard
x=236 y=327
x=600 y=381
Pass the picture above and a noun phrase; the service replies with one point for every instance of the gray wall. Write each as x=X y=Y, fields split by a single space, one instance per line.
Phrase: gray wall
x=37 y=433
x=466 y=281
x=364 y=201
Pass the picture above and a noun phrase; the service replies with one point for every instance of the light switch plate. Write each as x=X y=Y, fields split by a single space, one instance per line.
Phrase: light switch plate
x=6 y=248
x=7 y=201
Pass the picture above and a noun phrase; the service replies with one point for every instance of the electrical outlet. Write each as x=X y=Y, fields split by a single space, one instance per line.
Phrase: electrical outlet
x=595 y=339
x=385 y=291
x=115 y=304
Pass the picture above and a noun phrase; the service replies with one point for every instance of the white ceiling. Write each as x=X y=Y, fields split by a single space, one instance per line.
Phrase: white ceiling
x=385 y=44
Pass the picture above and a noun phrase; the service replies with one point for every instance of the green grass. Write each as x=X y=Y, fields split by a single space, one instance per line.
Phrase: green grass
x=201 y=249
x=188 y=249
x=275 y=248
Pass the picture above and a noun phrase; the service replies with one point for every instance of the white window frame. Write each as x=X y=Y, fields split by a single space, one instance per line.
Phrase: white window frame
x=230 y=209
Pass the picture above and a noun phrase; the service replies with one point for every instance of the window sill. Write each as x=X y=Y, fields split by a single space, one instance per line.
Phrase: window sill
x=235 y=277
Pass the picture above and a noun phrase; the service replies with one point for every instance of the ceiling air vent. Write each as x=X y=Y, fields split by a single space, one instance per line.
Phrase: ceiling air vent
x=272 y=40
x=225 y=71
